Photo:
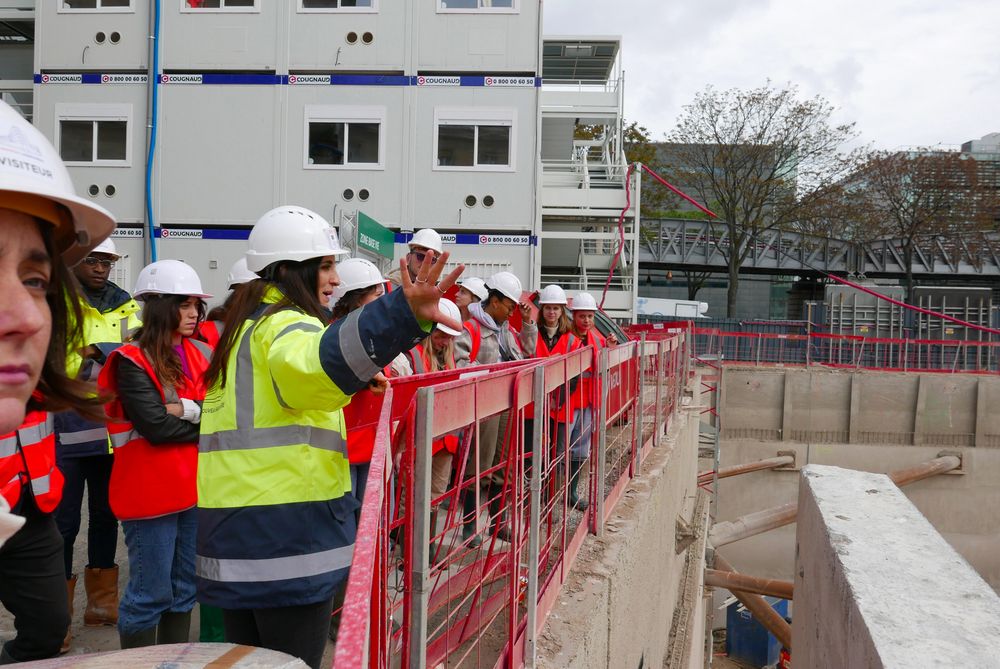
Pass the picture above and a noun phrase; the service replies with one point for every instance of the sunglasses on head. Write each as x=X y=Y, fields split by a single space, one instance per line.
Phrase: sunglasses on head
x=102 y=262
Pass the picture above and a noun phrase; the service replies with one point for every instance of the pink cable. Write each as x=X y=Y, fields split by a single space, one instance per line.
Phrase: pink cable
x=678 y=191
x=621 y=232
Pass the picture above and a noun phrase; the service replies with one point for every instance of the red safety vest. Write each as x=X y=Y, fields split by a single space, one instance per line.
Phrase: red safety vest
x=565 y=344
x=147 y=480
x=475 y=337
x=421 y=362
x=28 y=455
x=360 y=439
x=210 y=332
x=583 y=396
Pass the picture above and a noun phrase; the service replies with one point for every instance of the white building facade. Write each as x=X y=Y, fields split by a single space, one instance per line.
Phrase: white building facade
x=190 y=118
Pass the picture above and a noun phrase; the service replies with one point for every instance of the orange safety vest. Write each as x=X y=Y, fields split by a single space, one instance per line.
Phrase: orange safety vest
x=420 y=360
x=28 y=456
x=565 y=344
x=583 y=395
x=210 y=332
x=152 y=480
x=360 y=439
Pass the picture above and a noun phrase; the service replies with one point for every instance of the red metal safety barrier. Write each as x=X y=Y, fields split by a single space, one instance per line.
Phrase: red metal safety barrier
x=460 y=557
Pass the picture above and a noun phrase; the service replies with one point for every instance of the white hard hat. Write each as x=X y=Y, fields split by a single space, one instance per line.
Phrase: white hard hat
x=508 y=284
x=552 y=295
x=356 y=273
x=584 y=302
x=168 y=277
x=108 y=247
x=428 y=238
x=291 y=233
x=239 y=274
x=476 y=286
x=450 y=309
x=30 y=166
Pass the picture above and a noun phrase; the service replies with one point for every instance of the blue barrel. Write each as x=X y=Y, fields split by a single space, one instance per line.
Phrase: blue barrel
x=747 y=640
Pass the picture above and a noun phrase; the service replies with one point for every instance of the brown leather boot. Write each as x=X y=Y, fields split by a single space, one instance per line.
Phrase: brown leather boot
x=70 y=589
x=102 y=596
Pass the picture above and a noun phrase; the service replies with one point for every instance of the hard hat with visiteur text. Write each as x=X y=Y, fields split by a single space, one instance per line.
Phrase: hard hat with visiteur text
x=355 y=274
x=291 y=233
x=584 y=302
x=239 y=274
x=429 y=239
x=449 y=309
x=507 y=284
x=552 y=294
x=34 y=181
x=168 y=277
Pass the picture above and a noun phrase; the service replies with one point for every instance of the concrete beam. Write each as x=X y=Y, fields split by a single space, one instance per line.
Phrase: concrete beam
x=877 y=586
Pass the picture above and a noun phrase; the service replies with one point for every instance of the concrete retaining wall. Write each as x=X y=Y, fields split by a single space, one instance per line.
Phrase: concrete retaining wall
x=818 y=407
x=618 y=607
x=876 y=586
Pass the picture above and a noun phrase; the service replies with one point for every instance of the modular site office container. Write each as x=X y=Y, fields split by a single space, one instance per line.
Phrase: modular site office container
x=94 y=35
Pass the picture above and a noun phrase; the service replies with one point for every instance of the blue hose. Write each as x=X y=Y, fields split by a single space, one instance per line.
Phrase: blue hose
x=152 y=130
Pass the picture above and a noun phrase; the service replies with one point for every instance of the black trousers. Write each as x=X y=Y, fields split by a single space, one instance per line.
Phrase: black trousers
x=33 y=588
x=94 y=472
x=301 y=631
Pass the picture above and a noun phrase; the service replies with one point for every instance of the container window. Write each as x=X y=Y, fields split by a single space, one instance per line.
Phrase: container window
x=474 y=144
x=220 y=5
x=502 y=6
x=335 y=5
x=94 y=5
x=94 y=141
x=344 y=143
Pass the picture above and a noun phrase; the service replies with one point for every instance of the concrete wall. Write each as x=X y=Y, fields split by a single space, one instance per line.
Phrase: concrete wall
x=876 y=586
x=814 y=409
x=831 y=406
x=618 y=607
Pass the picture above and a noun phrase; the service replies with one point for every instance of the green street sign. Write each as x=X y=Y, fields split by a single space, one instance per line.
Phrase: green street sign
x=375 y=237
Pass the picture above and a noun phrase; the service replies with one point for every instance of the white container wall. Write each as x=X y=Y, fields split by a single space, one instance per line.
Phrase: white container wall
x=348 y=38
x=71 y=34
x=100 y=131
x=228 y=38
x=453 y=37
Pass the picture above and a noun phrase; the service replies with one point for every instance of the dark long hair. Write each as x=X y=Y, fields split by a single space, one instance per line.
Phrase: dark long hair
x=297 y=282
x=59 y=391
x=351 y=301
x=160 y=318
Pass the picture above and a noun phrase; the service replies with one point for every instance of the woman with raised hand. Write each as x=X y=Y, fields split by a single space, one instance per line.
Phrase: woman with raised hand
x=158 y=381
x=276 y=516
x=44 y=227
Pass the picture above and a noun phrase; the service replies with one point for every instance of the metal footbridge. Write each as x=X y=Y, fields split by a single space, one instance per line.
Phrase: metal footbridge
x=693 y=245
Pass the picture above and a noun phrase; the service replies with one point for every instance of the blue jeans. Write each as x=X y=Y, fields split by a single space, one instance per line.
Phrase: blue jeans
x=581 y=432
x=161 y=569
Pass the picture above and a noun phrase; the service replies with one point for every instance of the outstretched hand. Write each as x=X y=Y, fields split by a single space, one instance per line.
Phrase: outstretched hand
x=423 y=293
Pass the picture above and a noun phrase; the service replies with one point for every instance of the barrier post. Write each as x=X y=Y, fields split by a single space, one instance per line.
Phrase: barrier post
x=421 y=532
x=641 y=402
x=599 y=472
x=535 y=514
x=661 y=373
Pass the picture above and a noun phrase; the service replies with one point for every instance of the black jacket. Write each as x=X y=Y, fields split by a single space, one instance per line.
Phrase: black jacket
x=142 y=404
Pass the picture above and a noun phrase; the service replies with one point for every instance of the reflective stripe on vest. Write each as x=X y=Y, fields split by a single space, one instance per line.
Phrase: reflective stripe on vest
x=246 y=436
x=82 y=436
x=34 y=461
x=274 y=569
x=417 y=358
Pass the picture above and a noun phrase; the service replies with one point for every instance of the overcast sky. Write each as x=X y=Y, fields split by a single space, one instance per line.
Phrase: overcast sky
x=909 y=72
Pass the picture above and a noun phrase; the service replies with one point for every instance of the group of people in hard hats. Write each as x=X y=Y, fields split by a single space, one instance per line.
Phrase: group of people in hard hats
x=220 y=440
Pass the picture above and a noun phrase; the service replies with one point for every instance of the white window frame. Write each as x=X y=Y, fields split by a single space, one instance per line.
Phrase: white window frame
x=476 y=116
x=344 y=114
x=221 y=10
x=62 y=9
x=339 y=10
x=95 y=112
x=515 y=9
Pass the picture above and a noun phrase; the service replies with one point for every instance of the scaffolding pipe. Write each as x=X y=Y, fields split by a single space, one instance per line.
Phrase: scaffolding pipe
x=779 y=516
x=747 y=467
x=760 y=609
x=734 y=581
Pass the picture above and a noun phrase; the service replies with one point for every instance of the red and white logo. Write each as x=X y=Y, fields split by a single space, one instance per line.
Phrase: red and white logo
x=45 y=78
x=105 y=78
x=292 y=78
x=489 y=81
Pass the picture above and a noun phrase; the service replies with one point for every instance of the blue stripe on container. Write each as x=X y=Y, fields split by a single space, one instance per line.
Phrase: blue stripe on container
x=91 y=78
x=369 y=80
x=219 y=79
